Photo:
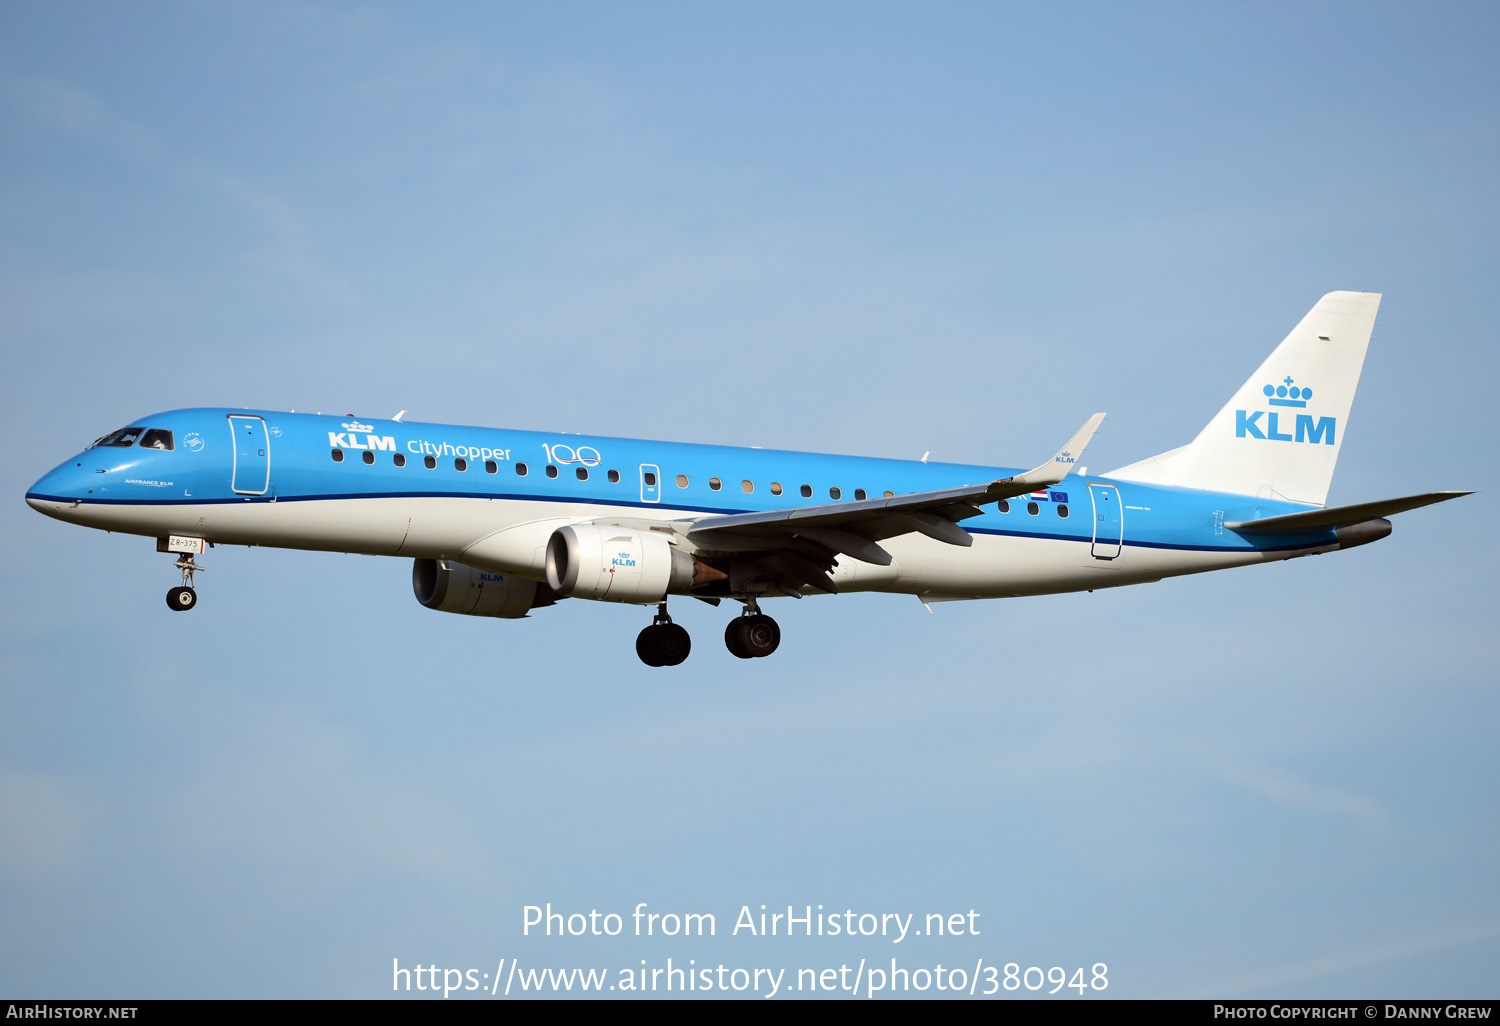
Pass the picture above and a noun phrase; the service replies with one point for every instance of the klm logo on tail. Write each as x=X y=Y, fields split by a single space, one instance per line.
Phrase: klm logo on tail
x=1305 y=428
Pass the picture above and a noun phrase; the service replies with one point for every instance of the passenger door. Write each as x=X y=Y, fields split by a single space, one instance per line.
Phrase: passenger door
x=1109 y=522
x=252 y=455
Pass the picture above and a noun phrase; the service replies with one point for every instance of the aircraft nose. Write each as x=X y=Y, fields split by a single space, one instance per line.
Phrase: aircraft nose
x=56 y=490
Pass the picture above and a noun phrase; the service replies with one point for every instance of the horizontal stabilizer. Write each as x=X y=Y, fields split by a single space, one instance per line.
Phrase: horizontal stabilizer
x=1338 y=516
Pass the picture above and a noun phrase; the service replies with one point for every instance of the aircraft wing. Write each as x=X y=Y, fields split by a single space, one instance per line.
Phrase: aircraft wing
x=801 y=542
x=1338 y=516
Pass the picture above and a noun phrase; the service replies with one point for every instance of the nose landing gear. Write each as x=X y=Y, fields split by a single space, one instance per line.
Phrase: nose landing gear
x=664 y=643
x=183 y=597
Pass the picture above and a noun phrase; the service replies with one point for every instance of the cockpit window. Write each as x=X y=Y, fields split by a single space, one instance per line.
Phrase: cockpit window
x=157 y=438
x=121 y=439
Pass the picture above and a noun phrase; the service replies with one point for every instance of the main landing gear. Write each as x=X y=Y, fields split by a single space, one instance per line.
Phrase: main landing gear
x=665 y=643
x=752 y=634
x=183 y=597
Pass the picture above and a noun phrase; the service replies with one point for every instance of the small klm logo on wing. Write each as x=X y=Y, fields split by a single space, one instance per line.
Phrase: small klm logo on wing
x=1306 y=428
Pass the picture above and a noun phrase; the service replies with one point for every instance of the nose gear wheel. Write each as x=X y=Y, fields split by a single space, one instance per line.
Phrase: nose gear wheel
x=183 y=597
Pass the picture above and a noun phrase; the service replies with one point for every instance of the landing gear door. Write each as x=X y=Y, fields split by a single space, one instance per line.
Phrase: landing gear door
x=252 y=455
x=1109 y=521
x=650 y=482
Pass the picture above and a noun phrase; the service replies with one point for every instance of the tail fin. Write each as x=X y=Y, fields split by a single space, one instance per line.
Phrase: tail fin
x=1279 y=436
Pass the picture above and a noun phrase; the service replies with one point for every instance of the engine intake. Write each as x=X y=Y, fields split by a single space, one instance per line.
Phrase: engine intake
x=451 y=587
x=616 y=564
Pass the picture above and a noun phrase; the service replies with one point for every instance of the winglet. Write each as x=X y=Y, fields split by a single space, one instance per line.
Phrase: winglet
x=1058 y=467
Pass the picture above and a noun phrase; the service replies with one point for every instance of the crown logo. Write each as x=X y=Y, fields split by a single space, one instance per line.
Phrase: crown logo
x=1288 y=394
x=357 y=426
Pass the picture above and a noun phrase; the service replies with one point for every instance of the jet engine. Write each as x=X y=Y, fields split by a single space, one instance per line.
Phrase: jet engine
x=616 y=564
x=451 y=587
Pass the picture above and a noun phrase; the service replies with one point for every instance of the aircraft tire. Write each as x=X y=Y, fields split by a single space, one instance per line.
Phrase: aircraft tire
x=761 y=635
x=734 y=639
x=182 y=598
x=648 y=646
x=674 y=643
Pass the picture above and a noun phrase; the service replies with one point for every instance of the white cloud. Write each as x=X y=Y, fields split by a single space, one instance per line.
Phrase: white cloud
x=1289 y=791
x=288 y=251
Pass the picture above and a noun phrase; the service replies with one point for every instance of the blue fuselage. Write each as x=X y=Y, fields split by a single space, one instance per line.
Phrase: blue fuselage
x=224 y=465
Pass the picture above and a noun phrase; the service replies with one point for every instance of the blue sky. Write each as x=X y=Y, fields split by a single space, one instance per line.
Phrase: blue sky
x=865 y=228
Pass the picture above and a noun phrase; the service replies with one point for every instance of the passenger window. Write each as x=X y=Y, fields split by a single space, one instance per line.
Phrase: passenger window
x=1033 y=508
x=682 y=480
x=1004 y=506
x=715 y=483
x=614 y=477
x=399 y=460
x=490 y=466
x=859 y=494
x=1062 y=511
x=460 y=464
x=368 y=457
x=430 y=462
x=551 y=470
x=889 y=495
x=834 y=493
x=747 y=487
x=156 y=438
x=583 y=473
x=775 y=487
x=807 y=491
x=121 y=439
x=520 y=470
x=338 y=455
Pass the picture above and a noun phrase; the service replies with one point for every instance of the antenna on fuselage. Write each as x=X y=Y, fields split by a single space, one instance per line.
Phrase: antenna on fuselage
x=925 y=455
x=399 y=415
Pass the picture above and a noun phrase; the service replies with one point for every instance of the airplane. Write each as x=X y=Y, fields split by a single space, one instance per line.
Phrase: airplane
x=500 y=522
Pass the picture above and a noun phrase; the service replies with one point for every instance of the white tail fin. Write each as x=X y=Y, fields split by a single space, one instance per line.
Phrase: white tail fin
x=1279 y=436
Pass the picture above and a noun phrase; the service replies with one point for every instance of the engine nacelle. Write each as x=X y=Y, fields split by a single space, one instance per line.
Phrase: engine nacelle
x=451 y=587
x=616 y=564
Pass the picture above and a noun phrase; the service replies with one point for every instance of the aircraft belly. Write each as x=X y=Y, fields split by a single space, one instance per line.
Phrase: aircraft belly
x=433 y=527
x=998 y=566
x=153 y=521
x=367 y=526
